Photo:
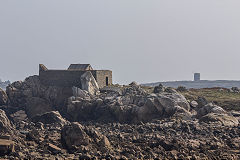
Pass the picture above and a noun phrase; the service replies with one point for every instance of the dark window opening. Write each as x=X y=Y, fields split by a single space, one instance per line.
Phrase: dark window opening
x=106 y=81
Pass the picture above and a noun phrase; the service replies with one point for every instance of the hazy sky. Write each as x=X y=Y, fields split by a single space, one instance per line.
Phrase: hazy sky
x=139 y=40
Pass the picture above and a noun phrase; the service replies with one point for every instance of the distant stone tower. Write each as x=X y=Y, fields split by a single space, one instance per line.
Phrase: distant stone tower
x=197 y=77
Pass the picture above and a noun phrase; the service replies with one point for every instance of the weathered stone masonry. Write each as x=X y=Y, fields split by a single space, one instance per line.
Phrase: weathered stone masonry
x=70 y=78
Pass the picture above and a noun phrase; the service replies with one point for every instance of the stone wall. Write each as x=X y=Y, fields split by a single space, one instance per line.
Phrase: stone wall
x=101 y=76
x=62 y=78
x=70 y=78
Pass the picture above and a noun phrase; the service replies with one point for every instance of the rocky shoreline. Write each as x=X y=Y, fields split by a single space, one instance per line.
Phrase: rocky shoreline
x=42 y=122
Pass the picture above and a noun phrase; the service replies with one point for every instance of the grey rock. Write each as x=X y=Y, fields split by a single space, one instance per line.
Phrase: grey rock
x=133 y=83
x=50 y=118
x=111 y=89
x=202 y=101
x=89 y=83
x=134 y=89
x=3 y=97
x=34 y=135
x=21 y=95
x=19 y=116
x=162 y=105
x=77 y=92
x=235 y=89
x=36 y=105
x=209 y=108
x=5 y=124
x=74 y=136
x=6 y=147
x=158 y=89
x=170 y=90
x=224 y=119
x=193 y=104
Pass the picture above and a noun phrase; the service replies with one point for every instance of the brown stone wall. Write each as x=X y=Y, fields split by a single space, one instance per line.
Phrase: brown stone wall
x=69 y=78
x=61 y=78
x=101 y=77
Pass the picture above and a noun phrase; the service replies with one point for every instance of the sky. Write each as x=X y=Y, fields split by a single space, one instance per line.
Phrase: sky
x=139 y=40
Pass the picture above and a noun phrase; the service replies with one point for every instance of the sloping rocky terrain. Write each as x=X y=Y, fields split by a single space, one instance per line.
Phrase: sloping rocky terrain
x=42 y=122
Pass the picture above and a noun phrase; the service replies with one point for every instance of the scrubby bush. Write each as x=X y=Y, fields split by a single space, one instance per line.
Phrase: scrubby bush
x=181 y=89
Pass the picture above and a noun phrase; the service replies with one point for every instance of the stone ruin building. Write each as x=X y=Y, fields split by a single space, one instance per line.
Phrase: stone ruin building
x=71 y=76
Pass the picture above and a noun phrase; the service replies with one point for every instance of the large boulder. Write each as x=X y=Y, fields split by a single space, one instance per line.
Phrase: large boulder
x=3 y=97
x=6 y=147
x=81 y=109
x=134 y=89
x=235 y=89
x=133 y=105
x=36 y=105
x=75 y=136
x=209 y=108
x=193 y=104
x=5 y=124
x=202 y=101
x=158 y=89
x=89 y=83
x=77 y=92
x=223 y=119
x=30 y=93
x=53 y=117
x=162 y=105
x=111 y=89
x=19 y=116
x=151 y=109
x=15 y=96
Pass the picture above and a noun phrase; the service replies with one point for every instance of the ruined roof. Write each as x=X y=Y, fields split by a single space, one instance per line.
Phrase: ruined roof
x=80 y=67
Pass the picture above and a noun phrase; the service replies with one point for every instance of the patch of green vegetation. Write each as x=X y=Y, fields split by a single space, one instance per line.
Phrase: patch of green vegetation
x=221 y=97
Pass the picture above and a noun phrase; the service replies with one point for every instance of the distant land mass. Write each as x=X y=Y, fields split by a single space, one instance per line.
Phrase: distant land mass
x=198 y=84
x=3 y=85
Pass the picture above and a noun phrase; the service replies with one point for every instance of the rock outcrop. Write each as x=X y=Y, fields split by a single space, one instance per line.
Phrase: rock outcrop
x=89 y=83
x=209 y=108
x=134 y=105
x=3 y=97
x=224 y=119
x=162 y=105
x=5 y=124
x=53 y=117
x=35 y=98
x=77 y=138
x=125 y=122
x=36 y=105
x=158 y=89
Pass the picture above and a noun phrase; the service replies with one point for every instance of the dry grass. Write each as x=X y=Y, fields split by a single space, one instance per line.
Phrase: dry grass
x=221 y=97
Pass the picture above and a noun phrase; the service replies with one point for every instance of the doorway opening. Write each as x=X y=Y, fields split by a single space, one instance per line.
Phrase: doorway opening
x=107 y=81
